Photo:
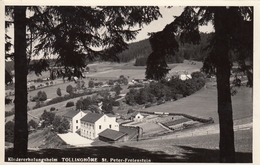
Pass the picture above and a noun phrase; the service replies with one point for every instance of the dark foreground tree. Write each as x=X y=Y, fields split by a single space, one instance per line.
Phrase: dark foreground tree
x=229 y=24
x=20 y=61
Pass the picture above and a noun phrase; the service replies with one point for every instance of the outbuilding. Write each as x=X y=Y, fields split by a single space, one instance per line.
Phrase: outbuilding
x=113 y=136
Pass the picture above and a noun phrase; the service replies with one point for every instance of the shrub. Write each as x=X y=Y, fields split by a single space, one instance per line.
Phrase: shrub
x=58 y=92
x=9 y=131
x=42 y=96
x=8 y=100
x=91 y=84
x=32 y=87
x=69 y=89
x=52 y=109
x=110 y=82
x=33 y=124
x=70 y=104
x=37 y=105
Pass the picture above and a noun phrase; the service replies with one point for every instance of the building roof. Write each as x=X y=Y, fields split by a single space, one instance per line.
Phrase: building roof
x=92 y=117
x=110 y=115
x=71 y=113
x=112 y=134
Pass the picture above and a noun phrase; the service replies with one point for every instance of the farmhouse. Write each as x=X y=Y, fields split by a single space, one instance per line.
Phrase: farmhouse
x=74 y=118
x=93 y=123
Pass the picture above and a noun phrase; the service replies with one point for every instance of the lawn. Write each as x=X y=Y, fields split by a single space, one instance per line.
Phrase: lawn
x=204 y=104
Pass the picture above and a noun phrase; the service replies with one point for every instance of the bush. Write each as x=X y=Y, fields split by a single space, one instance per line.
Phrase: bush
x=110 y=82
x=69 y=89
x=91 y=84
x=33 y=124
x=8 y=100
x=9 y=131
x=37 y=105
x=52 y=109
x=70 y=104
x=58 y=92
x=42 y=96
x=32 y=87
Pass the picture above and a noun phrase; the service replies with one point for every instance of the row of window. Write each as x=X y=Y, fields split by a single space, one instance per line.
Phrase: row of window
x=88 y=133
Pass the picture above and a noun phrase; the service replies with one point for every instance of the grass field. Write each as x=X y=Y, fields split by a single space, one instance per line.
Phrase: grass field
x=204 y=104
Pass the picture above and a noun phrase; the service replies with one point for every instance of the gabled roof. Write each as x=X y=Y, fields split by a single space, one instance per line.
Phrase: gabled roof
x=92 y=117
x=112 y=134
x=71 y=113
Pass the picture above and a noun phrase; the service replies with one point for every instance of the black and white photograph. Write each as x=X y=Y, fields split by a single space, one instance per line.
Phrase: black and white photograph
x=130 y=82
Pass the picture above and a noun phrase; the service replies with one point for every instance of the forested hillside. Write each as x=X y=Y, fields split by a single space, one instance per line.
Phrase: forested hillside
x=141 y=50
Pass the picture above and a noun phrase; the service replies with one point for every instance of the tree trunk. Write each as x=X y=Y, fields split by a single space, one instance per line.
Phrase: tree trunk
x=20 y=62
x=222 y=29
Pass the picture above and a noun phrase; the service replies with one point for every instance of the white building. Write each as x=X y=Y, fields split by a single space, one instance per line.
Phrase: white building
x=137 y=116
x=93 y=123
x=74 y=117
x=184 y=76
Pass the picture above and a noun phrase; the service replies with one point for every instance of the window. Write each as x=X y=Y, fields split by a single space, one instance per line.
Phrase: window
x=99 y=126
x=109 y=125
x=76 y=121
x=76 y=127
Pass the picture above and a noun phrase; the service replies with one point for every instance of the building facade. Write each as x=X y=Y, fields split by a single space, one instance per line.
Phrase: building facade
x=74 y=117
x=92 y=124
